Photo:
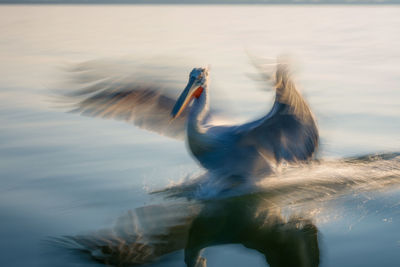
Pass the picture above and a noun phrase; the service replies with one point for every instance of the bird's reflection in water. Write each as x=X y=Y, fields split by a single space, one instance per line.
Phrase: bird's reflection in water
x=277 y=221
x=248 y=220
x=149 y=233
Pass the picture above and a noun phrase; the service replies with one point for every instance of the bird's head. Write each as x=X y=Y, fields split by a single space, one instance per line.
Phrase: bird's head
x=198 y=79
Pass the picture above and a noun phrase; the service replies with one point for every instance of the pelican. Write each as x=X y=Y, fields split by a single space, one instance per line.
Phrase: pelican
x=287 y=133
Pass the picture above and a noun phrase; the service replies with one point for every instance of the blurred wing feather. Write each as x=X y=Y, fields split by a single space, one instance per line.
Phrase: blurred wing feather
x=289 y=131
x=131 y=99
x=144 y=106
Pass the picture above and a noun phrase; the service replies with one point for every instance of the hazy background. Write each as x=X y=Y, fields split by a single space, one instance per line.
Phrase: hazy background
x=65 y=174
x=208 y=2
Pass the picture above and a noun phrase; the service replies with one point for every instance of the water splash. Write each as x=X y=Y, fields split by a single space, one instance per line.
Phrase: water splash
x=325 y=179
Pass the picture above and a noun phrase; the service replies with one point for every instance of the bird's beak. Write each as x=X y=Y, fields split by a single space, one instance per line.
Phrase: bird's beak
x=184 y=99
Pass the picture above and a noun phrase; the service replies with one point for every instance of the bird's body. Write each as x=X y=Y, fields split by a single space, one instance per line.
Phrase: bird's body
x=288 y=132
x=252 y=149
x=223 y=150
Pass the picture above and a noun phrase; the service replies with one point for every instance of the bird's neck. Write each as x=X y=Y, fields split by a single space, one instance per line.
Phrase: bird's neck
x=198 y=112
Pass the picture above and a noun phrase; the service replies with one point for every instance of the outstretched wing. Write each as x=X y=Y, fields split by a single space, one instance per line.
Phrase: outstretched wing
x=289 y=131
x=141 y=99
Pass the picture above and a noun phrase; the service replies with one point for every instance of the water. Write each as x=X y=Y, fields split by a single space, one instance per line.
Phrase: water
x=62 y=174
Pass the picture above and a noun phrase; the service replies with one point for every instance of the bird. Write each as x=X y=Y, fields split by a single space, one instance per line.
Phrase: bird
x=287 y=133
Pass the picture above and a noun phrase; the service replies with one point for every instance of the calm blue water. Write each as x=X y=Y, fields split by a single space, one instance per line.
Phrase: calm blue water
x=62 y=174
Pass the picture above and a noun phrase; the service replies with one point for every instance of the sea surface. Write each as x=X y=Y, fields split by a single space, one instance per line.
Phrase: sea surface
x=63 y=175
